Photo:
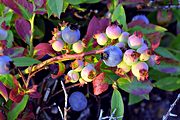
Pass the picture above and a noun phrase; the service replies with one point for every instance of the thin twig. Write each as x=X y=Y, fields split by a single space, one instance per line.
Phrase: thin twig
x=66 y=99
x=165 y=117
x=23 y=78
x=61 y=112
x=100 y=115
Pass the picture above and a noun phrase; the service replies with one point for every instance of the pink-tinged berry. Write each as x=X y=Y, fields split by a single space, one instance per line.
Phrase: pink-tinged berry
x=57 y=45
x=3 y=34
x=130 y=57
x=70 y=36
x=72 y=76
x=135 y=41
x=124 y=67
x=140 y=70
x=142 y=18
x=101 y=38
x=88 y=73
x=113 y=31
x=123 y=37
x=78 y=47
x=112 y=56
x=4 y=64
x=77 y=65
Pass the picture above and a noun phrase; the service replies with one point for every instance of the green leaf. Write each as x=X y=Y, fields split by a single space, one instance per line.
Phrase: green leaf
x=38 y=34
x=168 y=83
x=110 y=76
x=133 y=99
x=175 y=42
x=117 y=103
x=134 y=87
x=2 y=7
x=19 y=107
x=120 y=16
x=176 y=13
x=77 y=2
x=8 y=17
x=25 y=13
x=25 y=61
x=65 y=5
x=10 y=39
x=56 y=7
x=165 y=53
x=7 y=80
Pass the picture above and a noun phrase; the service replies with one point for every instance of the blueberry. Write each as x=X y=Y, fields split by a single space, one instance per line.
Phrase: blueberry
x=140 y=70
x=123 y=37
x=58 y=45
x=114 y=56
x=3 y=34
x=88 y=73
x=72 y=76
x=77 y=101
x=135 y=42
x=101 y=38
x=113 y=31
x=130 y=57
x=142 y=18
x=70 y=36
x=4 y=63
x=78 y=47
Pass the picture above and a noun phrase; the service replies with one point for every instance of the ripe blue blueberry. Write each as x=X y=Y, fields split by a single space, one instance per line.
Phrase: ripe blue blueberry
x=3 y=34
x=112 y=56
x=70 y=36
x=77 y=101
x=142 y=18
x=4 y=63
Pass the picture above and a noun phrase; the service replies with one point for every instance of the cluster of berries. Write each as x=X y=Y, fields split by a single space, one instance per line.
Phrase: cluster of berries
x=130 y=53
x=69 y=35
x=81 y=72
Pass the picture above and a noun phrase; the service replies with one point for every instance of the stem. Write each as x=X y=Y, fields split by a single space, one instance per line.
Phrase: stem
x=65 y=57
x=31 y=47
x=66 y=99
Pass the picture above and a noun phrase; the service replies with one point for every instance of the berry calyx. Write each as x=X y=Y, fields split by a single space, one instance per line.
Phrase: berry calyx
x=113 y=31
x=112 y=56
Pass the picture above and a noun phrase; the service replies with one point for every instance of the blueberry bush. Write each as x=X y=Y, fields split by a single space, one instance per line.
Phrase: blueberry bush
x=60 y=58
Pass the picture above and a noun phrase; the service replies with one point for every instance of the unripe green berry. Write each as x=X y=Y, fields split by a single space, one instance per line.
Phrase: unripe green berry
x=88 y=73
x=101 y=38
x=113 y=31
x=58 y=45
x=123 y=37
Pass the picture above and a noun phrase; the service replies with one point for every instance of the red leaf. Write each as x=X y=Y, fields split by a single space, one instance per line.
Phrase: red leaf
x=28 y=116
x=155 y=39
x=11 y=4
x=3 y=91
x=99 y=86
x=43 y=49
x=33 y=92
x=23 y=28
x=15 y=96
x=95 y=26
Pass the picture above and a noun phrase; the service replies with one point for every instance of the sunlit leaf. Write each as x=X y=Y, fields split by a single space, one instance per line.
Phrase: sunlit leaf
x=7 y=80
x=19 y=107
x=56 y=7
x=117 y=103
x=25 y=61
x=120 y=16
